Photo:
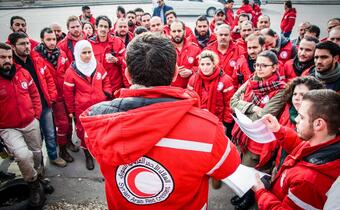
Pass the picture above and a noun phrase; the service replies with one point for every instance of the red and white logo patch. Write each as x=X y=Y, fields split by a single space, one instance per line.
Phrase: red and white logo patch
x=24 y=85
x=99 y=76
x=283 y=54
x=232 y=63
x=190 y=60
x=144 y=182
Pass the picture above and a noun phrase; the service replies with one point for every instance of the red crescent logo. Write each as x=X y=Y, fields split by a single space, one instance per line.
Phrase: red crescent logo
x=131 y=181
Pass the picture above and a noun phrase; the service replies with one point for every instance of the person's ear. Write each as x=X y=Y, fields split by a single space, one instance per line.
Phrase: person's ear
x=128 y=76
x=175 y=74
x=319 y=124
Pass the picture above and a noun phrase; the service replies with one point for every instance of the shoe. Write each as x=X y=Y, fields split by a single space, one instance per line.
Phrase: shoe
x=45 y=182
x=247 y=201
x=216 y=184
x=59 y=162
x=89 y=160
x=36 y=194
x=63 y=153
x=72 y=147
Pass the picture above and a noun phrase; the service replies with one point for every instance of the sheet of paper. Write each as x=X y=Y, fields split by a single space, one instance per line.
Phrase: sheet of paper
x=243 y=179
x=257 y=130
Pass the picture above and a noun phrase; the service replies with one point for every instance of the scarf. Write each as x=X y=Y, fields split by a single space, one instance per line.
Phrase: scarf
x=202 y=40
x=210 y=83
x=8 y=74
x=329 y=76
x=301 y=67
x=85 y=68
x=261 y=89
x=51 y=57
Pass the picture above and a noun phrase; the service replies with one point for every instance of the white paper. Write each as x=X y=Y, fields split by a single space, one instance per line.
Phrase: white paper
x=256 y=131
x=243 y=179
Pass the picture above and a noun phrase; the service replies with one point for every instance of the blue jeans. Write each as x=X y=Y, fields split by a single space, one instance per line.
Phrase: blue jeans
x=48 y=131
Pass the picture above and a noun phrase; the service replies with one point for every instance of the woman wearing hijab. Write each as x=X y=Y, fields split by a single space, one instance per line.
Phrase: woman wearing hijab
x=261 y=94
x=85 y=84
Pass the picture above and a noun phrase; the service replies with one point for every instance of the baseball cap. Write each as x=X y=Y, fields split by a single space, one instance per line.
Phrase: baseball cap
x=219 y=11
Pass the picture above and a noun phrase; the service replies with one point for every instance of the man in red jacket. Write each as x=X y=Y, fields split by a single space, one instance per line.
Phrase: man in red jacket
x=122 y=31
x=87 y=17
x=187 y=54
x=246 y=28
x=313 y=163
x=219 y=17
x=202 y=36
x=18 y=24
x=171 y=16
x=19 y=124
x=109 y=51
x=229 y=13
x=288 y=19
x=150 y=162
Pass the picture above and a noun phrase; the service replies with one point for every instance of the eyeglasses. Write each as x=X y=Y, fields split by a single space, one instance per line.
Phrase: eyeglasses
x=262 y=65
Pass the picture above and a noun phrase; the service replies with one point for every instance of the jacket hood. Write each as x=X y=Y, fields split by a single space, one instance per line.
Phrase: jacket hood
x=122 y=137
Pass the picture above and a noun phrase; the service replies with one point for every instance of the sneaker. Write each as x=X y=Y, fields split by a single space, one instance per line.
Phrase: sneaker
x=59 y=162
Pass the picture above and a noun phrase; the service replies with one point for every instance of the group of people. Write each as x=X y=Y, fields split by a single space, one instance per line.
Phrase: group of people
x=153 y=101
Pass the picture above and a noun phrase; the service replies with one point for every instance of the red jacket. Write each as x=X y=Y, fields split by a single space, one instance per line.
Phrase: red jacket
x=212 y=25
x=188 y=31
x=32 y=42
x=228 y=59
x=148 y=157
x=288 y=20
x=19 y=100
x=225 y=90
x=287 y=52
x=92 y=20
x=229 y=17
x=301 y=183
x=81 y=92
x=57 y=73
x=211 y=40
x=129 y=34
x=188 y=58
x=289 y=71
x=241 y=70
x=257 y=13
x=247 y=9
x=115 y=46
x=67 y=45
x=242 y=46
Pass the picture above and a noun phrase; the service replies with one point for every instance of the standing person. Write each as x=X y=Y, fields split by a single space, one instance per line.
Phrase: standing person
x=313 y=163
x=257 y=11
x=56 y=62
x=139 y=13
x=331 y=23
x=122 y=31
x=334 y=35
x=86 y=83
x=313 y=31
x=164 y=152
x=46 y=87
x=170 y=18
x=219 y=17
x=263 y=22
x=18 y=24
x=288 y=19
x=58 y=31
x=225 y=48
x=229 y=13
x=261 y=94
x=247 y=9
x=235 y=34
x=131 y=18
x=146 y=20
x=187 y=54
x=302 y=30
x=88 y=30
x=86 y=15
x=246 y=28
x=74 y=35
x=202 y=36
x=160 y=10
x=19 y=121
x=156 y=25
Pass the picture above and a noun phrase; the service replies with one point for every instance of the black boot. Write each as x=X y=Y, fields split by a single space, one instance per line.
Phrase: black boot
x=37 y=197
x=247 y=201
x=63 y=153
x=89 y=160
x=45 y=182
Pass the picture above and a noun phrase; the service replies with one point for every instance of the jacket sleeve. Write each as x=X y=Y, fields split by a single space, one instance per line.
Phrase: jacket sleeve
x=228 y=92
x=290 y=22
x=287 y=138
x=52 y=89
x=237 y=101
x=69 y=91
x=301 y=195
x=121 y=53
x=35 y=97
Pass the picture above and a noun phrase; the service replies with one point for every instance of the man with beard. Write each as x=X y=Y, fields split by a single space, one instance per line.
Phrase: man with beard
x=302 y=30
x=187 y=54
x=245 y=64
x=314 y=31
x=18 y=24
x=303 y=61
x=109 y=51
x=282 y=46
x=74 y=35
x=58 y=31
x=19 y=121
x=87 y=16
x=139 y=13
x=57 y=63
x=131 y=18
x=245 y=30
x=327 y=68
x=225 y=48
x=313 y=163
x=170 y=18
x=263 y=22
x=43 y=79
x=156 y=25
x=123 y=32
x=146 y=20
x=202 y=35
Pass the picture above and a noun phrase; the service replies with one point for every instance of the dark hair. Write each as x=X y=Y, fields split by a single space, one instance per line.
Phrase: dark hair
x=15 y=18
x=179 y=21
x=171 y=12
x=13 y=37
x=325 y=105
x=138 y=9
x=202 y=18
x=131 y=12
x=245 y=1
x=121 y=9
x=333 y=19
x=151 y=60
x=310 y=39
x=105 y=18
x=229 y=1
x=310 y=82
x=83 y=8
x=5 y=46
x=244 y=15
x=92 y=26
x=46 y=30
x=140 y=30
x=289 y=4
x=314 y=29
x=270 y=55
x=333 y=48
x=146 y=13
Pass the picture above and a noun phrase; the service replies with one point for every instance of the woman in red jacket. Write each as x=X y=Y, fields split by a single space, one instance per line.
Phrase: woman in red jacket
x=86 y=83
x=294 y=93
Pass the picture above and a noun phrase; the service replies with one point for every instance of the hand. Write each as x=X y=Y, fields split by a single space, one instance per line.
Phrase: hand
x=70 y=115
x=259 y=185
x=110 y=58
x=185 y=73
x=257 y=109
x=271 y=122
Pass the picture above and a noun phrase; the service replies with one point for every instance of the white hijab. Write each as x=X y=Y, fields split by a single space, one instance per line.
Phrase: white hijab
x=85 y=68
